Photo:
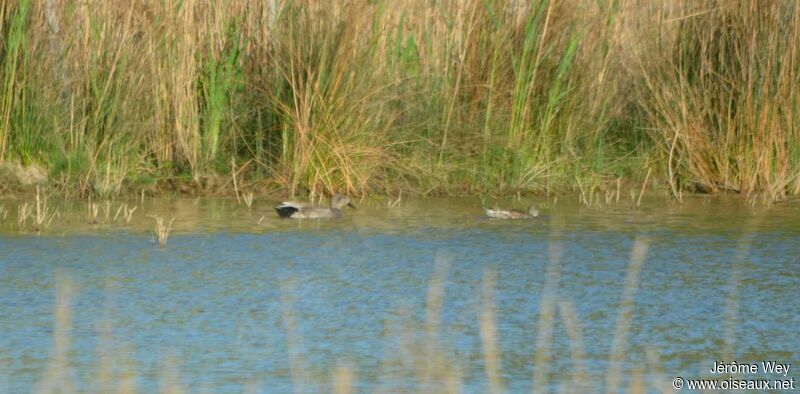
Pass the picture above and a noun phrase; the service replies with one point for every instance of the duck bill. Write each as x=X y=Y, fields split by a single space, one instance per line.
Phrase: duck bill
x=351 y=205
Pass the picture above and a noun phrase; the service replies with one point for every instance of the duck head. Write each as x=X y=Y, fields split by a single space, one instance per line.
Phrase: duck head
x=339 y=201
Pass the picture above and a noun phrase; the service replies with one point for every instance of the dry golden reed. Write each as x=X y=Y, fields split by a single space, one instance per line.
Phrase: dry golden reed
x=162 y=230
x=363 y=96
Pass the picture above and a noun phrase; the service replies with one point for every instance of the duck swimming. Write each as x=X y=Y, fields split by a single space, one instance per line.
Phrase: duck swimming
x=501 y=213
x=304 y=210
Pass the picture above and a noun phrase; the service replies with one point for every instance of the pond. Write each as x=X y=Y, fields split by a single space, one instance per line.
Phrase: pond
x=423 y=296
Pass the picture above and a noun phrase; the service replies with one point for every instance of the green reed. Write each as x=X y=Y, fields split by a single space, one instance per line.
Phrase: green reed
x=449 y=97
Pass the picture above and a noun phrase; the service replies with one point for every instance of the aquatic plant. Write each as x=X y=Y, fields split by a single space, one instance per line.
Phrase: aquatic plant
x=162 y=230
x=127 y=213
x=394 y=203
x=23 y=212
x=644 y=185
x=43 y=215
x=248 y=199
x=92 y=208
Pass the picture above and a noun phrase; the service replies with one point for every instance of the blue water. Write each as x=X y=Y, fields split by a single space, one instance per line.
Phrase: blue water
x=216 y=304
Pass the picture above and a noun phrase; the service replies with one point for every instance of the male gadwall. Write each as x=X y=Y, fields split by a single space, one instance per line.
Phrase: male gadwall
x=304 y=210
x=500 y=213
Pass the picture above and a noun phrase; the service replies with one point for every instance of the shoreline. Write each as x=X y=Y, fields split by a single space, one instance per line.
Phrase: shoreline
x=225 y=186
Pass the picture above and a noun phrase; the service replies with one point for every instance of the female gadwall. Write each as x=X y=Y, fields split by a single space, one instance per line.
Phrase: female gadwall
x=500 y=213
x=304 y=210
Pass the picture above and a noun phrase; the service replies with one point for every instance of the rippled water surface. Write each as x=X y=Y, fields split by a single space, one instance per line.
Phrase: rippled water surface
x=237 y=293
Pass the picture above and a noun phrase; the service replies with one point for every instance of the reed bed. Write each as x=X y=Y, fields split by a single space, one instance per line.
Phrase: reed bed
x=721 y=96
x=445 y=97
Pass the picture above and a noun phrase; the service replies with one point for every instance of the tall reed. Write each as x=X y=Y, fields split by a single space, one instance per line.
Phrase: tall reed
x=720 y=91
x=366 y=96
x=13 y=22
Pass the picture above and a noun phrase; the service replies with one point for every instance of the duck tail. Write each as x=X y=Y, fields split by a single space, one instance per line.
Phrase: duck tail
x=285 y=211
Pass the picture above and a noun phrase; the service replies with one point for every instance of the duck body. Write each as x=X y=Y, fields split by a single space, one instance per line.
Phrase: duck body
x=303 y=210
x=289 y=210
x=501 y=213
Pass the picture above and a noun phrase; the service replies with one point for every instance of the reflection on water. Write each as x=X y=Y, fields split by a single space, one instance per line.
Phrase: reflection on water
x=218 y=299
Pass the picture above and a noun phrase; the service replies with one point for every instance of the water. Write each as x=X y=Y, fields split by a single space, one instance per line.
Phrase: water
x=237 y=292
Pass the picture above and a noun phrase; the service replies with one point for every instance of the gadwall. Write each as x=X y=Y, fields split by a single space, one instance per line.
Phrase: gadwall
x=500 y=213
x=304 y=210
